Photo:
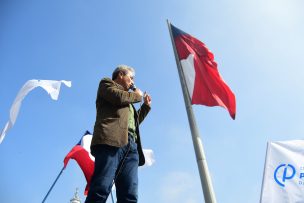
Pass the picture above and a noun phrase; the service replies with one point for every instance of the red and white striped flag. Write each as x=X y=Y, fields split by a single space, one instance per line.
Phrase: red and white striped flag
x=203 y=81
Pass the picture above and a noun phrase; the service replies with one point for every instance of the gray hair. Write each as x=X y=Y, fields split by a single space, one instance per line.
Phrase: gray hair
x=122 y=69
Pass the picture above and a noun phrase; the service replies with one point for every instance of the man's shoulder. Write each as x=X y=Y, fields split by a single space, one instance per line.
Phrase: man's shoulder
x=106 y=82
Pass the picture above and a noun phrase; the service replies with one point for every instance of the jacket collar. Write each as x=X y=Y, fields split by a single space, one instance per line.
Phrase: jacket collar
x=114 y=83
x=118 y=85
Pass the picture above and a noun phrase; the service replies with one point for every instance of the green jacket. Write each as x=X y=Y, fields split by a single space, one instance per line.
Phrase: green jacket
x=111 y=125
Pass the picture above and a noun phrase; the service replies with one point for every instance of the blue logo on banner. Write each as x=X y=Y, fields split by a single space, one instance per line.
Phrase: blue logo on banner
x=286 y=174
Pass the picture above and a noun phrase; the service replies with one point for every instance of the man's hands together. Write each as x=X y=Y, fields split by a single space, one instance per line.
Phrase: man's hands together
x=147 y=98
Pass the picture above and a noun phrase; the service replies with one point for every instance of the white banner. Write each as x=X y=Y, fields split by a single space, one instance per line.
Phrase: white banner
x=283 y=180
x=51 y=86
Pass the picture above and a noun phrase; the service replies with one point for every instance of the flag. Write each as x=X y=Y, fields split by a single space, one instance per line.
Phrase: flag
x=149 y=157
x=283 y=180
x=82 y=155
x=204 y=83
x=51 y=86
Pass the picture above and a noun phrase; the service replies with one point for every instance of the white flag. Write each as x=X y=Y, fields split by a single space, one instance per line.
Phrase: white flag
x=51 y=86
x=149 y=156
x=283 y=180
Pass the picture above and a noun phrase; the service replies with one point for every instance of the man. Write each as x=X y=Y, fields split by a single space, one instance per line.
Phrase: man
x=116 y=143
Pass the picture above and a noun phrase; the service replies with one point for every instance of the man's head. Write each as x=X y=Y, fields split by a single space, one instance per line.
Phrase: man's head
x=124 y=75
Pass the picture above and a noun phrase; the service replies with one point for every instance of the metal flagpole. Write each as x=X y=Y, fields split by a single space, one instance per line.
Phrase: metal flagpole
x=207 y=187
x=52 y=185
x=265 y=163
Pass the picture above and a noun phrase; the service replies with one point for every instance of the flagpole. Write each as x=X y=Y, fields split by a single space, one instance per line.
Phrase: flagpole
x=52 y=185
x=265 y=163
x=207 y=187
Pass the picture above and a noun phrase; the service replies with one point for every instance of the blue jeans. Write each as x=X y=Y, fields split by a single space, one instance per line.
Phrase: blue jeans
x=108 y=160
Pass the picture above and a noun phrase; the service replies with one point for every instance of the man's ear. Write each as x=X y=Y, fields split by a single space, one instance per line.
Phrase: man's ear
x=120 y=74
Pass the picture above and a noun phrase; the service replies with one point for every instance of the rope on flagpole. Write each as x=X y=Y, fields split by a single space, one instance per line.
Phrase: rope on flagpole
x=52 y=185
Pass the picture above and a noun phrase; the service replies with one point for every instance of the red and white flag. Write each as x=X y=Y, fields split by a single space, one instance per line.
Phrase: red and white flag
x=203 y=81
x=81 y=154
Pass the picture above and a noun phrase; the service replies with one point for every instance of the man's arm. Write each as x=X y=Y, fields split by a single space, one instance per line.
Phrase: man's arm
x=145 y=108
x=116 y=96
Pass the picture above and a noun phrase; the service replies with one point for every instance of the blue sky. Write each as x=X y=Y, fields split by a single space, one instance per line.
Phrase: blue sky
x=258 y=46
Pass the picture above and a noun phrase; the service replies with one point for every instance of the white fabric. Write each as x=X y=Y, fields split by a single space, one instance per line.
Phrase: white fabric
x=51 y=86
x=149 y=156
x=283 y=180
x=86 y=144
x=189 y=73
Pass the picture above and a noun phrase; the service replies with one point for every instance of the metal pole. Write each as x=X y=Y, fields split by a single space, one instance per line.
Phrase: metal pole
x=207 y=187
x=265 y=163
x=52 y=185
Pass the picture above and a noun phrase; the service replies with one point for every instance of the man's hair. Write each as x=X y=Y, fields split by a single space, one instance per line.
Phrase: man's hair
x=122 y=69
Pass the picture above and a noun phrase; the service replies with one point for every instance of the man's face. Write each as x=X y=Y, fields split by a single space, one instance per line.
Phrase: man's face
x=126 y=80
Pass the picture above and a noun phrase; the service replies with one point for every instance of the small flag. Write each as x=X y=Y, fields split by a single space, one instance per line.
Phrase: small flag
x=81 y=154
x=283 y=179
x=149 y=157
x=51 y=86
x=204 y=83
